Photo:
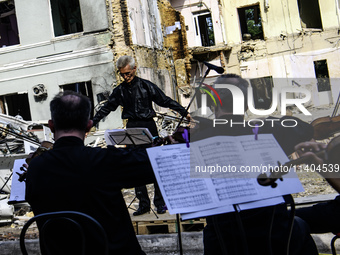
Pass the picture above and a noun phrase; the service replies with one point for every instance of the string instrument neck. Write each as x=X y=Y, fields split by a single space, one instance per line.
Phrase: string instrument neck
x=302 y=160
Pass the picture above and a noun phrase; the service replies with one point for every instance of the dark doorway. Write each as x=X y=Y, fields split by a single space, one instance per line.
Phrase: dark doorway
x=251 y=22
x=204 y=28
x=9 y=33
x=262 y=92
x=322 y=75
x=16 y=104
x=66 y=17
x=310 y=14
x=84 y=88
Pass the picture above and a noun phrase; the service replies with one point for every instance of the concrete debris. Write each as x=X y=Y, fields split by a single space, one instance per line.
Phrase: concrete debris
x=17 y=139
x=6 y=210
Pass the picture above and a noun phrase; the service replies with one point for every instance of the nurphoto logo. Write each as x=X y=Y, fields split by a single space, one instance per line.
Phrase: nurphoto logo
x=238 y=100
x=238 y=103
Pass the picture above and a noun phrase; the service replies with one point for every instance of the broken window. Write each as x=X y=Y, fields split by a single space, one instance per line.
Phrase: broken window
x=251 y=22
x=9 y=33
x=204 y=28
x=16 y=104
x=310 y=14
x=262 y=92
x=322 y=75
x=66 y=17
x=84 y=88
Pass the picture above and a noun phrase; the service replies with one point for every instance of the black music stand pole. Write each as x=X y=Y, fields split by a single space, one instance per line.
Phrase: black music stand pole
x=134 y=138
x=6 y=183
x=179 y=234
x=193 y=97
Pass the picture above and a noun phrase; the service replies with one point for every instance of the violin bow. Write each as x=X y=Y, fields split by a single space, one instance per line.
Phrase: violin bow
x=174 y=118
x=25 y=138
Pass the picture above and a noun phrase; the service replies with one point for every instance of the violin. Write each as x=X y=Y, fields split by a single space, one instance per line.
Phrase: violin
x=176 y=137
x=331 y=155
x=325 y=127
x=44 y=146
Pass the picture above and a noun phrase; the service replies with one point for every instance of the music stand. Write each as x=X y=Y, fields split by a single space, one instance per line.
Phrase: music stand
x=129 y=136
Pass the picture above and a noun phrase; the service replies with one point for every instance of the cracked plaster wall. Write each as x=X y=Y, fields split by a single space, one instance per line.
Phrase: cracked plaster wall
x=42 y=58
x=141 y=32
x=174 y=45
x=288 y=50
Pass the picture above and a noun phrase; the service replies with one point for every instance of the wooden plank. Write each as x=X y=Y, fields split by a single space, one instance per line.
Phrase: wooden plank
x=314 y=199
x=168 y=226
x=152 y=217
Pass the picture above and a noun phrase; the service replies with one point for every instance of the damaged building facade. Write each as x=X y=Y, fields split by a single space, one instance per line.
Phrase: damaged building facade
x=295 y=41
x=57 y=45
x=284 y=43
x=206 y=35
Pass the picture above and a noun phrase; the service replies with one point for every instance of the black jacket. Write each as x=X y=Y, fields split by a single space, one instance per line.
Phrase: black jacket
x=136 y=99
x=74 y=177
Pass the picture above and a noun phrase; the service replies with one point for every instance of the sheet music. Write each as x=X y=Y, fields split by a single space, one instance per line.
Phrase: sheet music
x=180 y=192
x=17 y=188
x=230 y=208
x=187 y=188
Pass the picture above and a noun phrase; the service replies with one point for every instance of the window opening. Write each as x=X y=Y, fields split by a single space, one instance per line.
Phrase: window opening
x=310 y=14
x=66 y=17
x=204 y=28
x=262 y=92
x=84 y=88
x=16 y=104
x=251 y=22
x=322 y=75
x=9 y=33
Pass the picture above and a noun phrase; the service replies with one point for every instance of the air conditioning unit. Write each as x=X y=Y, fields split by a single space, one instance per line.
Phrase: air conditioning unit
x=39 y=90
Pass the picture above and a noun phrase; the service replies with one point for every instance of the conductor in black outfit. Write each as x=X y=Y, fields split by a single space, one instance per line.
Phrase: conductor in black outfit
x=136 y=95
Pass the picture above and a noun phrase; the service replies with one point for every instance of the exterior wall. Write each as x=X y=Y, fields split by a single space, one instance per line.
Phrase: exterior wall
x=189 y=8
x=288 y=50
x=42 y=58
x=111 y=28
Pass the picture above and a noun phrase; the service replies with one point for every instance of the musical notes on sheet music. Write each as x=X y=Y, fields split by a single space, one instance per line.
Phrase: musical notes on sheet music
x=190 y=182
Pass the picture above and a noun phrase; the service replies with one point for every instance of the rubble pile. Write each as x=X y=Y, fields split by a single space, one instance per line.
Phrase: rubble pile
x=17 y=139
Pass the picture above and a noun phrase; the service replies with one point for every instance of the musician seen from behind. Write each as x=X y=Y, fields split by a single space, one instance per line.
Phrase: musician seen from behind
x=74 y=177
x=250 y=230
x=321 y=217
x=136 y=96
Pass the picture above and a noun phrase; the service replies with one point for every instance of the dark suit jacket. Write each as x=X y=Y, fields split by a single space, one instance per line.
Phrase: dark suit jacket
x=72 y=176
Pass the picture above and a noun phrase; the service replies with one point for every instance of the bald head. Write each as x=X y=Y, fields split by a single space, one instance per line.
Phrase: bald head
x=70 y=111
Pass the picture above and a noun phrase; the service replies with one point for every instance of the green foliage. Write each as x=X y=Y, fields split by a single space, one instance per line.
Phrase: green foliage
x=254 y=24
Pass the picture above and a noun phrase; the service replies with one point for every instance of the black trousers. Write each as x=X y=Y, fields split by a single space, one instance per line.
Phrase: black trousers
x=141 y=191
x=322 y=217
x=264 y=231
